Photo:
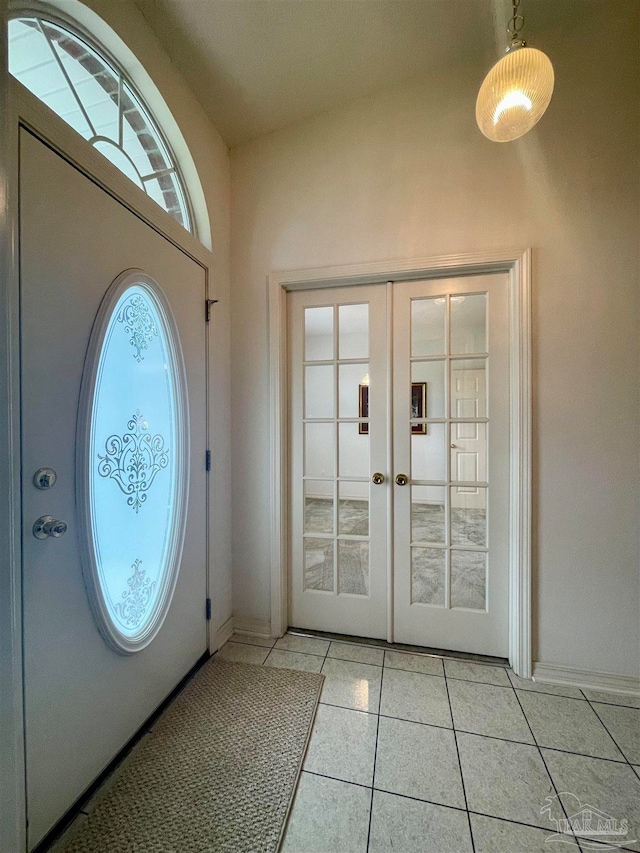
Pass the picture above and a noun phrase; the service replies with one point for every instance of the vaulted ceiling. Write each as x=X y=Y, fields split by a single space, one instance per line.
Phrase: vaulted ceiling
x=258 y=65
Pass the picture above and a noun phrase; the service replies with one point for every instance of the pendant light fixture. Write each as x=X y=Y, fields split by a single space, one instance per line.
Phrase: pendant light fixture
x=517 y=90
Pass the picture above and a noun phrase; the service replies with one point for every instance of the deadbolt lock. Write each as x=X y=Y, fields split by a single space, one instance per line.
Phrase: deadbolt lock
x=44 y=479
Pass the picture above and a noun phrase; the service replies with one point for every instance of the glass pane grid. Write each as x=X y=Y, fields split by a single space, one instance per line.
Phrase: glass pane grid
x=65 y=72
x=450 y=572
x=336 y=560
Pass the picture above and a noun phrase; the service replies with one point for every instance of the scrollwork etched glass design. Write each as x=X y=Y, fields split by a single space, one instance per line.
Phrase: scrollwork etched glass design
x=134 y=464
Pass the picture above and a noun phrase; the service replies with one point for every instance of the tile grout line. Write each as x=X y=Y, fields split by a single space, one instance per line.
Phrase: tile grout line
x=455 y=740
x=439 y=804
x=375 y=757
x=618 y=747
x=544 y=763
x=474 y=734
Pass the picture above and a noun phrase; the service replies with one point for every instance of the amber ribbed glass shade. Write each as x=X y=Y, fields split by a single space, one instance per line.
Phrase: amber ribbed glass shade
x=514 y=94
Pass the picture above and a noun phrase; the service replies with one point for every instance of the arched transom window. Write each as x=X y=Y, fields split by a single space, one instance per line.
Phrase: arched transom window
x=92 y=95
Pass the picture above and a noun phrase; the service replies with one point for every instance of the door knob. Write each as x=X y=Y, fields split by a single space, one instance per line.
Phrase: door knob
x=377 y=478
x=454 y=445
x=402 y=479
x=48 y=526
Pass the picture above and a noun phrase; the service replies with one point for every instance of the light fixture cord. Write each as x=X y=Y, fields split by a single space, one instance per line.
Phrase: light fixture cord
x=515 y=25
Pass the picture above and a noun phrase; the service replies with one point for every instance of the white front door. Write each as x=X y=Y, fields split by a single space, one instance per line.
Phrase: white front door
x=87 y=693
x=446 y=471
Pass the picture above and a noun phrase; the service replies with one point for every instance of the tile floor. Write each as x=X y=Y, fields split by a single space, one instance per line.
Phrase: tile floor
x=416 y=754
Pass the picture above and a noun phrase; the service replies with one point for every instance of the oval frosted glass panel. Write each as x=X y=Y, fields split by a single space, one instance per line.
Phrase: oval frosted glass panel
x=133 y=467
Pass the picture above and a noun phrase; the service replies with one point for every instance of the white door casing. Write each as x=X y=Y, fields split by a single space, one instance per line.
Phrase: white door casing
x=516 y=264
x=83 y=700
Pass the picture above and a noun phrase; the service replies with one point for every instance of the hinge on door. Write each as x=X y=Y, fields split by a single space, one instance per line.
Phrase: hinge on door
x=208 y=609
x=207 y=308
x=207 y=460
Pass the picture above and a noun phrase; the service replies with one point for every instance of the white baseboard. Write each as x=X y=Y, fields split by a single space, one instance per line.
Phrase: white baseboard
x=555 y=673
x=224 y=633
x=253 y=627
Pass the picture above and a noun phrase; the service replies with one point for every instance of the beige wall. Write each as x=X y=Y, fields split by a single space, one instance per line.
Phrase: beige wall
x=406 y=173
x=211 y=160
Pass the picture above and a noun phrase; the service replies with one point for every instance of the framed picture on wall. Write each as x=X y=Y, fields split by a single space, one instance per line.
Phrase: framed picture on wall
x=418 y=407
x=363 y=408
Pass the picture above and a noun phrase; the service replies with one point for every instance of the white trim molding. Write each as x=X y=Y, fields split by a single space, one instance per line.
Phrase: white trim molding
x=252 y=627
x=241 y=625
x=223 y=634
x=515 y=262
x=610 y=682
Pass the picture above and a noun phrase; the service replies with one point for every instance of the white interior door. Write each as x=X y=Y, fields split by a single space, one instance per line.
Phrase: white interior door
x=83 y=698
x=338 y=440
x=468 y=440
x=451 y=440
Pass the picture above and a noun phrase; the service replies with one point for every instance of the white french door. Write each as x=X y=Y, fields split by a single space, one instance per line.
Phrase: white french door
x=451 y=518
x=338 y=429
x=439 y=387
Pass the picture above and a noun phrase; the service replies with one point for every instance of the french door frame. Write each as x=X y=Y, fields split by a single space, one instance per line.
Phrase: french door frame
x=516 y=263
x=20 y=109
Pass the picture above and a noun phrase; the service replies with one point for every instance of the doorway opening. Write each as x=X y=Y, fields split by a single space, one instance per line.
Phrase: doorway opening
x=401 y=446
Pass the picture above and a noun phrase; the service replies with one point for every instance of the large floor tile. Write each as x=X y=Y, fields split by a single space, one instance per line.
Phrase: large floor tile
x=267 y=642
x=491 y=835
x=418 y=761
x=504 y=779
x=328 y=816
x=407 y=826
x=567 y=724
x=343 y=744
x=413 y=663
x=477 y=672
x=488 y=710
x=307 y=645
x=602 y=786
x=538 y=687
x=359 y=654
x=416 y=697
x=624 y=726
x=351 y=685
x=282 y=659
x=612 y=698
x=243 y=653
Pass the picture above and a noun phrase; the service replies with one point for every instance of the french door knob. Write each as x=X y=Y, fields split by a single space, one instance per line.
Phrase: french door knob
x=47 y=526
x=401 y=479
x=377 y=478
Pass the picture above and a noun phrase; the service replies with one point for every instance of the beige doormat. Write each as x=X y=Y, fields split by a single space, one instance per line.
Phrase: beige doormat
x=219 y=771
